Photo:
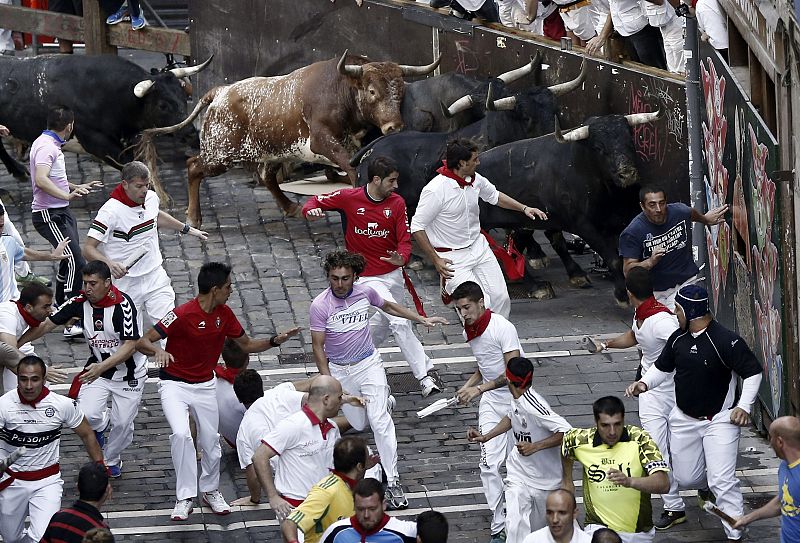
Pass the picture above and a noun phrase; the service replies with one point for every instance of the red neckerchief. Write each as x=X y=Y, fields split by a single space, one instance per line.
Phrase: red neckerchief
x=363 y=532
x=112 y=298
x=37 y=399
x=650 y=307
x=27 y=317
x=350 y=482
x=325 y=426
x=447 y=172
x=479 y=326
x=226 y=373
x=119 y=194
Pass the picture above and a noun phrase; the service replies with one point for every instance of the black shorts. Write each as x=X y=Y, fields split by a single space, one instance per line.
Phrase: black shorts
x=70 y=7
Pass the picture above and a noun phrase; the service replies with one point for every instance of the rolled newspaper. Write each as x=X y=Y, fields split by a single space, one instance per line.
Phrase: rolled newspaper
x=714 y=510
x=438 y=405
x=135 y=257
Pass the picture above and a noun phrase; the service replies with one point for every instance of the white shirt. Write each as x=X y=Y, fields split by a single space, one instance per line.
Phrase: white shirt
x=652 y=336
x=12 y=323
x=37 y=428
x=658 y=16
x=450 y=215
x=124 y=229
x=712 y=21
x=628 y=16
x=532 y=420
x=262 y=416
x=543 y=535
x=499 y=337
x=305 y=456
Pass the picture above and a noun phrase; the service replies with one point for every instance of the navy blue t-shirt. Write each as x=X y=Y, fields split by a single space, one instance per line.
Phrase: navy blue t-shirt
x=641 y=236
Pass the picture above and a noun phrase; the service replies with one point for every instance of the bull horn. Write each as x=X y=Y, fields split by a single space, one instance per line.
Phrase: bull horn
x=513 y=75
x=569 y=86
x=580 y=133
x=353 y=70
x=462 y=104
x=502 y=104
x=642 y=118
x=420 y=70
x=143 y=87
x=190 y=71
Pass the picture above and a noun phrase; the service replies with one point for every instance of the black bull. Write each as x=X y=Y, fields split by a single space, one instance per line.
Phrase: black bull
x=113 y=100
x=586 y=182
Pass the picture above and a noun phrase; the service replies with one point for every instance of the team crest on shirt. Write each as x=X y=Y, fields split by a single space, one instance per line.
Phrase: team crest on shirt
x=98 y=325
x=168 y=319
x=201 y=325
x=387 y=213
x=49 y=412
x=141 y=214
x=219 y=321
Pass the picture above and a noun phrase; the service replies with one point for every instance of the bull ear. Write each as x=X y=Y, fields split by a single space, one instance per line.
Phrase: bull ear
x=190 y=71
x=143 y=87
x=580 y=133
x=462 y=104
x=420 y=70
x=569 y=86
x=643 y=118
x=513 y=75
x=352 y=70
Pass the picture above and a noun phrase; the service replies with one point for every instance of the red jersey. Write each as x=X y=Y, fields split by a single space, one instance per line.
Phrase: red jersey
x=195 y=339
x=371 y=228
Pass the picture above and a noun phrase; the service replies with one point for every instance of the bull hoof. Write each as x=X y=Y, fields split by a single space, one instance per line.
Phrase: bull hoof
x=580 y=281
x=539 y=263
x=333 y=175
x=542 y=292
x=194 y=222
x=294 y=211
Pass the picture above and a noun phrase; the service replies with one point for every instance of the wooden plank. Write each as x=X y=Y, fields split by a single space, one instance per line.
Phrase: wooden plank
x=96 y=30
x=161 y=40
x=43 y=23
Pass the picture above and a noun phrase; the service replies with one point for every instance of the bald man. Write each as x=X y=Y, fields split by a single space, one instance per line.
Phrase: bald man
x=562 y=525
x=784 y=436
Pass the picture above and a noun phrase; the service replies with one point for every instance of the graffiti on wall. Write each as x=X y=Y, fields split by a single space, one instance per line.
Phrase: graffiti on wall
x=651 y=140
x=743 y=252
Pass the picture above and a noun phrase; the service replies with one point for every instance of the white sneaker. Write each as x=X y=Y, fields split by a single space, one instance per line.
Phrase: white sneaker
x=428 y=386
x=216 y=502
x=73 y=332
x=183 y=508
x=390 y=404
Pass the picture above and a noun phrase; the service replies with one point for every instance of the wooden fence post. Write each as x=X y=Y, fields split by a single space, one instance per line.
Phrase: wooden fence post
x=96 y=30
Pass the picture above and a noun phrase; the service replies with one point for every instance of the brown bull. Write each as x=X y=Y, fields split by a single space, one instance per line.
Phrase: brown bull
x=318 y=113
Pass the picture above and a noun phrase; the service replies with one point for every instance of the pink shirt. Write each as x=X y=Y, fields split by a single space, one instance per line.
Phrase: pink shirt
x=345 y=323
x=46 y=152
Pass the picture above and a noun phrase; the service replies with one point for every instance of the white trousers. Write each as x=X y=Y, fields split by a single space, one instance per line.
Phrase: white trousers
x=638 y=537
x=667 y=297
x=525 y=510
x=672 y=33
x=477 y=263
x=177 y=401
x=654 y=409
x=39 y=499
x=391 y=287
x=230 y=410
x=21 y=267
x=125 y=399
x=152 y=294
x=493 y=455
x=708 y=450
x=368 y=379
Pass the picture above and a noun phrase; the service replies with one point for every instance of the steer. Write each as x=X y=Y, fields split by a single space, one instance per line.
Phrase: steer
x=585 y=180
x=113 y=100
x=317 y=113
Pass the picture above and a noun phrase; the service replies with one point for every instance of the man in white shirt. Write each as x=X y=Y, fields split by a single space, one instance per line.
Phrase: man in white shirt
x=534 y=464
x=34 y=305
x=628 y=19
x=562 y=526
x=124 y=235
x=494 y=342
x=653 y=324
x=447 y=226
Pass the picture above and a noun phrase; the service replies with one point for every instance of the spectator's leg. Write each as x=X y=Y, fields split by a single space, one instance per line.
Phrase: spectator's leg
x=649 y=47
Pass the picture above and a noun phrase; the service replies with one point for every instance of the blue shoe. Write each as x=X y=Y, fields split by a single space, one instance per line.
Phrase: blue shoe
x=115 y=472
x=101 y=438
x=138 y=23
x=119 y=16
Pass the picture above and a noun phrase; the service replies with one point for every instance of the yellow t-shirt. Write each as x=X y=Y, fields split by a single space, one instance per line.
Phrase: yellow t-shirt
x=622 y=509
x=329 y=500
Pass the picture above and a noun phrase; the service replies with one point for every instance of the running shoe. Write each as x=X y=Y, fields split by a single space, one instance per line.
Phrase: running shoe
x=668 y=519
x=216 y=502
x=119 y=16
x=183 y=508
x=138 y=23
x=396 y=496
x=499 y=537
x=73 y=332
x=390 y=404
x=115 y=472
x=428 y=386
x=25 y=280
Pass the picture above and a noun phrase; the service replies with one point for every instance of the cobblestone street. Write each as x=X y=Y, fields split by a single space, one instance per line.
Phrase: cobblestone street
x=276 y=263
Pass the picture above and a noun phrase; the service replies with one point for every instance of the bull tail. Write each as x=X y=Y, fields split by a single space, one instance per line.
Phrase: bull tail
x=146 y=150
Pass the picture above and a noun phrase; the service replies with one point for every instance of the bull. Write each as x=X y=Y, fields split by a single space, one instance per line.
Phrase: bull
x=318 y=113
x=586 y=180
x=113 y=100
